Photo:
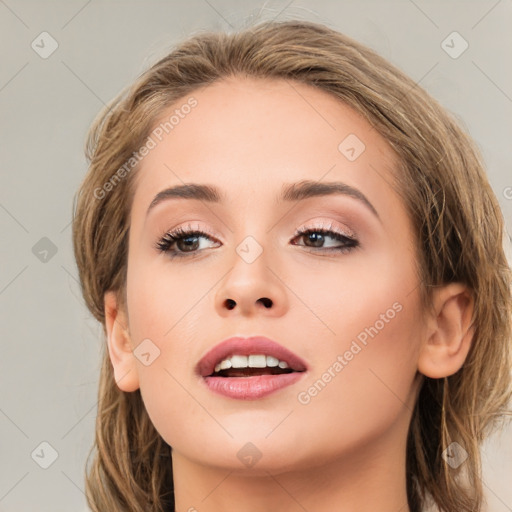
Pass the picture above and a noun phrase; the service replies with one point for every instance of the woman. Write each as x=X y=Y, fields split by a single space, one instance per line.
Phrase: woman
x=297 y=260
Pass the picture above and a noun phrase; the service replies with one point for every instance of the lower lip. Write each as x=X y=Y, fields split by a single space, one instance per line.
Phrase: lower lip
x=251 y=388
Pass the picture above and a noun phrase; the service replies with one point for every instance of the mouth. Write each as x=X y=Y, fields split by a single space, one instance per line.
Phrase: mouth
x=254 y=364
x=249 y=368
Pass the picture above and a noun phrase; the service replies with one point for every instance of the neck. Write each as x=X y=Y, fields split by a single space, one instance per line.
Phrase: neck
x=372 y=478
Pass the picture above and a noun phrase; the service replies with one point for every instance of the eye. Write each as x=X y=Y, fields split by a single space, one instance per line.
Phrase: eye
x=187 y=242
x=318 y=237
x=181 y=242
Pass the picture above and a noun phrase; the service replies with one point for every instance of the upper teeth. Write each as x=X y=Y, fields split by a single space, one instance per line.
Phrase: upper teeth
x=252 y=361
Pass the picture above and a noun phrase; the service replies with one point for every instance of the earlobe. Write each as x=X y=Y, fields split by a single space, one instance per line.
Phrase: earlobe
x=119 y=344
x=450 y=332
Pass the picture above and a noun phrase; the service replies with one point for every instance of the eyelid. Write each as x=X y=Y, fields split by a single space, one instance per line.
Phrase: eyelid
x=325 y=224
x=331 y=226
x=190 y=226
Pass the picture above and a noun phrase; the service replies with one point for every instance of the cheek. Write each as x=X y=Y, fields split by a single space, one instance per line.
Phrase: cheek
x=353 y=401
x=164 y=303
x=167 y=308
x=366 y=295
x=366 y=355
x=364 y=376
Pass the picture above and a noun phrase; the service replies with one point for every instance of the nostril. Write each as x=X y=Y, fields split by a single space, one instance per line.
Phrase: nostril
x=266 y=302
x=230 y=303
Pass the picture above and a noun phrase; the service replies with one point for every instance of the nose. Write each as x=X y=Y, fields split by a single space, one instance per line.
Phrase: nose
x=252 y=287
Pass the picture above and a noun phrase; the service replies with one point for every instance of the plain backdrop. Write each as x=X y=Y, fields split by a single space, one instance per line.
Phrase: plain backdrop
x=50 y=345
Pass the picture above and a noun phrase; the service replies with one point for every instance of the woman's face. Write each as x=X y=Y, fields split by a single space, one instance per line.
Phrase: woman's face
x=345 y=302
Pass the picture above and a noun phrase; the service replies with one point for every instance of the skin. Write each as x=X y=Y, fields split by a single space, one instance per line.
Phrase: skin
x=345 y=448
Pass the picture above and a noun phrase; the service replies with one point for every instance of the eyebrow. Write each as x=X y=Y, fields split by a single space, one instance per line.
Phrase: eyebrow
x=289 y=192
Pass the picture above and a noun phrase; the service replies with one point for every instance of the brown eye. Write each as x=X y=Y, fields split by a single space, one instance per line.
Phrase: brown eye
x=318 y=238
x=188 y=244
x=181 y=242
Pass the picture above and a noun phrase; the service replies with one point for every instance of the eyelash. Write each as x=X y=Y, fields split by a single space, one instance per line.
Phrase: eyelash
x=169 y=239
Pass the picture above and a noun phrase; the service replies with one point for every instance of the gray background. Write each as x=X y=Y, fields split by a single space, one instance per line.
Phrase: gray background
x=50 y=346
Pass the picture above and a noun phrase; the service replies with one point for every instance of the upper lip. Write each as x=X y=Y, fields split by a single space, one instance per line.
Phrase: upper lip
x=245 y=347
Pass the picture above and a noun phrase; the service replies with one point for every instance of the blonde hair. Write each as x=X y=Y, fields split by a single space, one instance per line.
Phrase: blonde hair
x=456 y=217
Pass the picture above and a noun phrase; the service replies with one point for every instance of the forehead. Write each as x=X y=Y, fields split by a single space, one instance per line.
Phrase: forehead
x=249 y=136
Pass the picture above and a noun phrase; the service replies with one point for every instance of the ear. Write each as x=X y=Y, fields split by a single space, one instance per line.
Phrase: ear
x=119 y=345
x=449 y=333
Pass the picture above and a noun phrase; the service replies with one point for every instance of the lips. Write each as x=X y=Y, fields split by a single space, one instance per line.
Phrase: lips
x=246 y=347
x=254 y=381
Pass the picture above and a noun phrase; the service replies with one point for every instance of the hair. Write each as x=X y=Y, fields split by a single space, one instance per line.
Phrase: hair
x=457 y=222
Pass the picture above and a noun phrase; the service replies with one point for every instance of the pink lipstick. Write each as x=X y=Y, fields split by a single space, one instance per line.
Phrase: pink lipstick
x=249 y=368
